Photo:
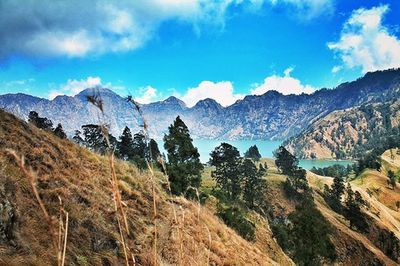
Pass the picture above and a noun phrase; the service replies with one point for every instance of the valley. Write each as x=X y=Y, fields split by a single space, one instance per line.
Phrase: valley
x=199 y=133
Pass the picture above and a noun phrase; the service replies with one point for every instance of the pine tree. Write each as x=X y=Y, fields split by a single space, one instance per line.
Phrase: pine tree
x=40 y=122
x=392 y=179
x=227 y=161
x=254 y=185
x=59 y=132
x=298 y=180
x=184 y=167
x=125 y=145
x=139 y=145
x=96 y=139
x=77 y=138
x=154 y=151
x=353 y=210
x=338 y=188
x=333 y=195
x=253 y=153
x=297 y=176
x=285 y=161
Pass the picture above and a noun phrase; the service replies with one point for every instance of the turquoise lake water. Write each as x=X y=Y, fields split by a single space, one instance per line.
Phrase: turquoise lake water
x=266 y=148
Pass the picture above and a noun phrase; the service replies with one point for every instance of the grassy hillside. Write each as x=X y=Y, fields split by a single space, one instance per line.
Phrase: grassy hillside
x=348 y=133
x=352 y=247
x=383 y=215
x=187 y=233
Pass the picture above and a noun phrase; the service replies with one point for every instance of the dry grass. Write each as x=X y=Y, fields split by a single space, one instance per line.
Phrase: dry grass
x=60 y=239
x=120 y=214
x=185 y=232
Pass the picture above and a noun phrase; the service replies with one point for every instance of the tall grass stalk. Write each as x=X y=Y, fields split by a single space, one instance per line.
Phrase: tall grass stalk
x=118 y=205
x=59 y=240
x=152 y=176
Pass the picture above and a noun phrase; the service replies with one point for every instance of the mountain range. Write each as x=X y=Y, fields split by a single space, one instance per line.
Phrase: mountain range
x=271 y=116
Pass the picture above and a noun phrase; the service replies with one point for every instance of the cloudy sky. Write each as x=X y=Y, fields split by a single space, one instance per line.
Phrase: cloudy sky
x=194 y=49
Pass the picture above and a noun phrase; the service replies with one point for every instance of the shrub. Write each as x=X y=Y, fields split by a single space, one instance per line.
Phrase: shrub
x=235 y=218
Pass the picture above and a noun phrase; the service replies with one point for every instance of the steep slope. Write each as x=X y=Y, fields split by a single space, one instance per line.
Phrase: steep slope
x=268 y=116
x=352 y=247
x=383 y=216
x=82 y=180
x=348 y=133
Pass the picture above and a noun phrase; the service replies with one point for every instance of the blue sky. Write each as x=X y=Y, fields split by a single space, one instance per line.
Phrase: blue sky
x=217 y=49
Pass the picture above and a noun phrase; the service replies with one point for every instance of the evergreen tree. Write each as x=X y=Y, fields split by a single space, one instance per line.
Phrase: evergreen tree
x=253 y=153
x=254 y=185
x=125 y=145
x=392 y=179
x=59 y=132
x=155 y=153
x=139 y=145
x=184 y=167
x=297 y=176
x=338 y=188
x=77 y=138
x=40 y=122
x=285 y=161
x=97 y=140
x=353 y=211
x=227 y=162
x=333 y=195
x=140 y=150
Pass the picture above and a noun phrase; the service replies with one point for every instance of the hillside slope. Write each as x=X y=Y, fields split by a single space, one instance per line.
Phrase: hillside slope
x=268 y=116
x=82 y=180
x=348 y=133
x=352 y=247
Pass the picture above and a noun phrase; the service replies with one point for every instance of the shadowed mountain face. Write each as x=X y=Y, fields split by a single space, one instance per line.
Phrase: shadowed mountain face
x=269 y=116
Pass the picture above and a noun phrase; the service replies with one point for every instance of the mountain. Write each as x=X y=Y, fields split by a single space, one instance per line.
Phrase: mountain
x=268 y=116
x=349 y=133
x=187 y=231
x=80 y=179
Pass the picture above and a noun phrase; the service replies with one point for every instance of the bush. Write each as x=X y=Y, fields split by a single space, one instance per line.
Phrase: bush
x=235 y=218
x=305 y=236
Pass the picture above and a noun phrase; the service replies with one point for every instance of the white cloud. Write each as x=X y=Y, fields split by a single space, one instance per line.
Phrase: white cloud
x=222 y=92
x=284 y=84
x=149 y=94
x=76 y=28
x=366 y=43
x=73 y=86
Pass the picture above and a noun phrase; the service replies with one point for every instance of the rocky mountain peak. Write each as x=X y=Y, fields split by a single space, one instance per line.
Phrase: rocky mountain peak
x=172 y=100
x=208 y=104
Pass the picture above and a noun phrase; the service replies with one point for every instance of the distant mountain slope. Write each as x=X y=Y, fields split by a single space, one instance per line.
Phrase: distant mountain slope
x=269 y=116
x=348 y=133
x=186 y=232
x=352 y=246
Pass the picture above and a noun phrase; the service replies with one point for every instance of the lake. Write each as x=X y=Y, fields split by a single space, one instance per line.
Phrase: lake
x=266 y=148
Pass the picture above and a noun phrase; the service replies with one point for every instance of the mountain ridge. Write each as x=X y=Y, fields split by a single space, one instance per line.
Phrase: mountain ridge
x=348 y=133
x=269 y=116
